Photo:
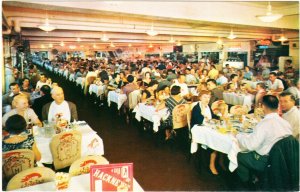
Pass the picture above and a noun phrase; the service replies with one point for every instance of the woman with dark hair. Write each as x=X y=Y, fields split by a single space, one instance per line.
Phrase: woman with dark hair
x=147 y=79
x=26 y=86
x=170 y=103
x=18 y=137
x=148 y=93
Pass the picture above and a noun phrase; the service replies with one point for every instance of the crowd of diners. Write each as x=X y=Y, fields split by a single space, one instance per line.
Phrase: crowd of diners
x=165 y=82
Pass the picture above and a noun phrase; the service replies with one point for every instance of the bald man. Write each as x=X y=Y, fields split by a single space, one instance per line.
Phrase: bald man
x=59 y=107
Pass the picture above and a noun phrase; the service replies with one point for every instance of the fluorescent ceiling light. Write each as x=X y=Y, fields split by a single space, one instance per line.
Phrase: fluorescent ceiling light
x=269 y=17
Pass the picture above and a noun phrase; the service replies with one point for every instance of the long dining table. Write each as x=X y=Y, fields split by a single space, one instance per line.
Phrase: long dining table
x=209 y=135
x=116 y=97
x=91 y=144
x=150 y=113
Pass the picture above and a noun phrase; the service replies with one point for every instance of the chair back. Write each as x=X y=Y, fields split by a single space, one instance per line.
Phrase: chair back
x=179 y=113
x=65 y=148
x=134 y=98
x=283 y=174
x=16 y=161
x=238 y=110
x=82 y=166
x=30 y=177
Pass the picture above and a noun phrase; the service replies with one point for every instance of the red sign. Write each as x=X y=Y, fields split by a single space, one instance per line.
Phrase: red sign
x=112 y=177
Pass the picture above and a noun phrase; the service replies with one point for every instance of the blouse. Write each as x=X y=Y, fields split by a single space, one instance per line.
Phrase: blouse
x=29 y=114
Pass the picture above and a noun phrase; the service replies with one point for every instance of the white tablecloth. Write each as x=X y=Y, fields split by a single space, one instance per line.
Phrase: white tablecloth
x=225 y=143
x=97 y=89
x=238 y=99
x=149 y=113
x=116 y=98
x=88 y=135
x=77 y=183
x=251 y=83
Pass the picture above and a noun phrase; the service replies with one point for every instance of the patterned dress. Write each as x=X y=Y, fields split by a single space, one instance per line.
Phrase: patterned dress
x=171 y=103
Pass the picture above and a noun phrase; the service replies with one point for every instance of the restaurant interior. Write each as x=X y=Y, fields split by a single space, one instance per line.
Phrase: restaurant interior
x=51 y=37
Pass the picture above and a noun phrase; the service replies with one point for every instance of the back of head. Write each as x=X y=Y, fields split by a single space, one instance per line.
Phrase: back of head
x=15 y=124
x=130 y=78
x=271 y=102
x=46 y=89
x=175 y=90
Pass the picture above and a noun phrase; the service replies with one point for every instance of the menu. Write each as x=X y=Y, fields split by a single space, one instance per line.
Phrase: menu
x=112 y=177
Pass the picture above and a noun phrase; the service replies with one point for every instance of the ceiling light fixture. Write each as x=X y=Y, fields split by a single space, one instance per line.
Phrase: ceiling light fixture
x=78 y=39
x=269 y=16
x=219 y=42
x=46 y=26
x=151 y=32
x=62 y=44
x=104 y=38
x=231 y=35
x=111 y=44
x=283 y=38
x=150 y=46
x=129 y=45
x=50 y=45
x=178 y=43
x=172 y=40
x=72 y=47
x=94 y=46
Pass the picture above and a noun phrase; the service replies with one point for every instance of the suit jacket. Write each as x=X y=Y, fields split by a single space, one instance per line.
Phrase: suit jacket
x=216 y=94
x=39 y=103
x=283 y=173
x=72 y=107
x=197 y=117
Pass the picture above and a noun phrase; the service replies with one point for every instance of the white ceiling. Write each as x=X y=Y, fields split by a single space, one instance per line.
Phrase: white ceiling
x=127 y=22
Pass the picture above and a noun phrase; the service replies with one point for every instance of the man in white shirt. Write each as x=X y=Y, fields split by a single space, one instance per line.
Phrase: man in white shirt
x=41 y=82
x=59 y=107
x=180 y=81
x=275 y=85
x=266 y=133
x=290 y=112
x=222 y=79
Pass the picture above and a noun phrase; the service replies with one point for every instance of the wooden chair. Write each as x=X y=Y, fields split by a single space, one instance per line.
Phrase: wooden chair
x=82 y=166
x=180 y=125
x=16 y=161
x=134 y=98
x=30 y=177
x=179 y=113
x=65 y=148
